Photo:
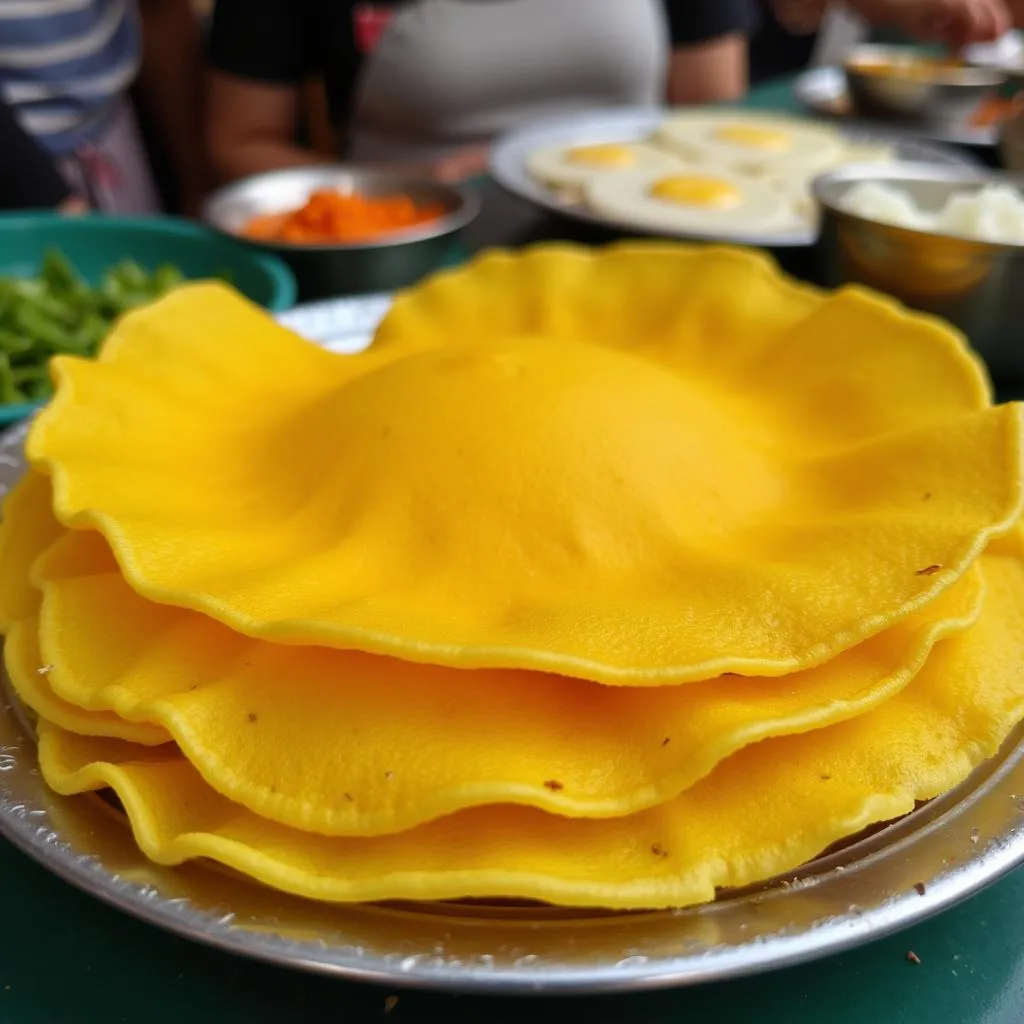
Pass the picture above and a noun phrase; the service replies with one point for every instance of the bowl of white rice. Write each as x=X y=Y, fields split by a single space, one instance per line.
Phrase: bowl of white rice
x=947 y=241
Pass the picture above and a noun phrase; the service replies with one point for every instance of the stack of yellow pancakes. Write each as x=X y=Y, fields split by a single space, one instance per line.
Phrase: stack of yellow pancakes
x=602 y=578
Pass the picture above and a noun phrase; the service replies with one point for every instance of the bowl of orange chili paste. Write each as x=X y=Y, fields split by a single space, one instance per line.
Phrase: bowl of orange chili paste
x=346 y=231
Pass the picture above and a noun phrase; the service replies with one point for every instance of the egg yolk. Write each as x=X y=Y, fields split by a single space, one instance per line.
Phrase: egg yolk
x=754 y=137
x=603 y=155
x=711 y=193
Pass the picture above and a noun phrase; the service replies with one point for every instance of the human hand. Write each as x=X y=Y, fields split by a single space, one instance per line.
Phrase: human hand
x=953 y=22
x=1016 y=8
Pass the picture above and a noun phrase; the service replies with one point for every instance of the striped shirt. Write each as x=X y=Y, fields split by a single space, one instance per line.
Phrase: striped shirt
x=65 y=63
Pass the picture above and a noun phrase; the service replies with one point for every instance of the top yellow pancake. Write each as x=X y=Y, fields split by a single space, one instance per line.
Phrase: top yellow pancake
x=642 y=465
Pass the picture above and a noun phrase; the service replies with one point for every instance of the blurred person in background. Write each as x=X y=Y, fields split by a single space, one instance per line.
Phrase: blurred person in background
x=71 y=74
x=427 y=84
x=424 y=86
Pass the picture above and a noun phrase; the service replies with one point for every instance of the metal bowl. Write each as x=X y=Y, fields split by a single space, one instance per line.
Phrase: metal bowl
x=324 y=271
x=977 y=286
x=948 y=95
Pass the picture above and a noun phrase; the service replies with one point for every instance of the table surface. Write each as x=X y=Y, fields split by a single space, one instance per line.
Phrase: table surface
x=66 y=958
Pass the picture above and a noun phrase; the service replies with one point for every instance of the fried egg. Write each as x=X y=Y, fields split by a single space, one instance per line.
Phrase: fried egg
x=749 y=145
x=561 y=166
x=795 y=193
x=703 y=202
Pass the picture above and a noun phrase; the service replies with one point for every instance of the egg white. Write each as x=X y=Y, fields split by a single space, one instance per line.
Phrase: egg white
x=553 y=166
x=696 y=137
x=795 y=183
x=795 y=193
x=627 y=199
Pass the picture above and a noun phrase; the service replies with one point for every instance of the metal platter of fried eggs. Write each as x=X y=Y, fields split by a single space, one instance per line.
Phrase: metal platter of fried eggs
x=719 y=174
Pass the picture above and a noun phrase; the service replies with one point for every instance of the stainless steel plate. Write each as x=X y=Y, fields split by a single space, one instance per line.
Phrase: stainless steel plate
x=823 y=90
x=629 y=124
x=341 y=325
x=902 y=873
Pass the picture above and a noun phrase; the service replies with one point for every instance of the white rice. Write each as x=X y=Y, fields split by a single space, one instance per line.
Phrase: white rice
x=875 y=201
x=993 y=213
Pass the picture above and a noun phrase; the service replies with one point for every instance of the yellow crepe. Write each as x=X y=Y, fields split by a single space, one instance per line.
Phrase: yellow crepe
x=347 y=743
x=29 y=673
x=27 y=528
x=646 y=465
x=765 y=810
x=720 y=315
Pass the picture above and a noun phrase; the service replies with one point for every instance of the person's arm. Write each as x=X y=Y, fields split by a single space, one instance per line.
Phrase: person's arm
x=250 y=126
x=28 y=177
x=708 y=63
x=259 y=57
x=171 y=90
x=954 y=22
x=254 y=96
x=710 y=72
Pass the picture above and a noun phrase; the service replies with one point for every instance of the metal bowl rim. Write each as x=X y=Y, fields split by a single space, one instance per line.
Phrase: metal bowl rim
x=467 y=207
x=968 y=76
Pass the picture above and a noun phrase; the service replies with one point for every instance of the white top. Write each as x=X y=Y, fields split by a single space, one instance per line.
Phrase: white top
x=458 y=73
